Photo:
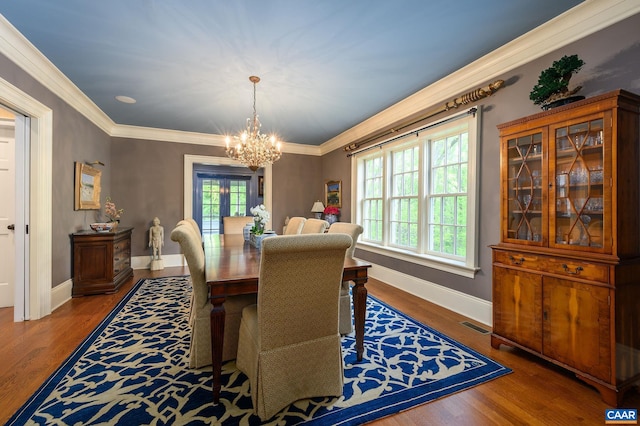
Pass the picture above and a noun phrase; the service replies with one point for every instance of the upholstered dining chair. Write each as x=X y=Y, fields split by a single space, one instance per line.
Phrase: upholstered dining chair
x=314 y=226
x=354 y=231
x=289 y=344
x=235 y=224
x=191 y=222
x=295 y=225
x=199 y=320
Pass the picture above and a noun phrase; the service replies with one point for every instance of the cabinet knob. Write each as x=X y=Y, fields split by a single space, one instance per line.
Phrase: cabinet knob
x=516 y=261
x=568 y=270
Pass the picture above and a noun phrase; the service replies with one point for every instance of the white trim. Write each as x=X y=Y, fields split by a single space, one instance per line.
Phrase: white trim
x=169 y=260
x=470 y=306
x=24 y=54
x=575 y=24
x=439 y=263
x=584 y=19
x=40 y=160
x=61 y=294
x=190 y=160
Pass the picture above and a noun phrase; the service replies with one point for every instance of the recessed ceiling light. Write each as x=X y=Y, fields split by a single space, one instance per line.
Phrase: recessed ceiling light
x=126 y=99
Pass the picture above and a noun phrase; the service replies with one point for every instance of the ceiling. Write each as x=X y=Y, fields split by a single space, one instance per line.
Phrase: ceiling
x=325 y=65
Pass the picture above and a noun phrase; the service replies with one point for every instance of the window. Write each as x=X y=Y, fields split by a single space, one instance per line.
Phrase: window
x=413 y=196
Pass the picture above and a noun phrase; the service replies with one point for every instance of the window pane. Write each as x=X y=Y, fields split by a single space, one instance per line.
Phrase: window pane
x=438 y=181
x=449 y=210
x=452 y=180
x=437 y=153
x=396 y=183
x=453 y=149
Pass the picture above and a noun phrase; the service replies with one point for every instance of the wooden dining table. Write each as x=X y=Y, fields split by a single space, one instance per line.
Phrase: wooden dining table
x=233 y=267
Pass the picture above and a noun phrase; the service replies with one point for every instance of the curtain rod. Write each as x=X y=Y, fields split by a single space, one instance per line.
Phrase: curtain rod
x=467 y=98
x=428 y=126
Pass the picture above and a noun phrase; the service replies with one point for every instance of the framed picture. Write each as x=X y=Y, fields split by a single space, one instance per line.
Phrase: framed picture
x=333 y=193
x=260 y=186
x=87 y=194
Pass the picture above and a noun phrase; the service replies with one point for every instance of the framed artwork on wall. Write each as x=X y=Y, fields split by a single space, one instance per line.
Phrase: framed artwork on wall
x=333 y=193
x=87 y=188
x=260 y=186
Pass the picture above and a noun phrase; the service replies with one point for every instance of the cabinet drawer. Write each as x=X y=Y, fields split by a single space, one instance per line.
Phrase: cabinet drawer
x=554 y=265
x=121 y=246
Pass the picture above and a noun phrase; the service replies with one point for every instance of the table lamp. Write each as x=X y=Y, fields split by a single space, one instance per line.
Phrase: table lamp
x=317 y=209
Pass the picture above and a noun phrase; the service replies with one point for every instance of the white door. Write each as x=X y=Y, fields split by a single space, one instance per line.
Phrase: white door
x=7 y=208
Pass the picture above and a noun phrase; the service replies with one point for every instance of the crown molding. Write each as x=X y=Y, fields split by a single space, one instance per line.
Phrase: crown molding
x=575 y=24
x=578 y=22
x=24 y=54
x=178 y=136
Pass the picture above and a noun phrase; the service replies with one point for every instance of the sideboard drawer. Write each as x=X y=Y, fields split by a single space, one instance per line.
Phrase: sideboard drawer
x=554 y=265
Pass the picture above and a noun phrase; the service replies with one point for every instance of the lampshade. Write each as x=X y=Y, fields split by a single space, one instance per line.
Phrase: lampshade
x=317 y=209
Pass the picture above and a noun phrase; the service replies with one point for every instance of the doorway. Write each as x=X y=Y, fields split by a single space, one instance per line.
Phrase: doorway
x=192 y=162
x=220 y=191
x=14 y=184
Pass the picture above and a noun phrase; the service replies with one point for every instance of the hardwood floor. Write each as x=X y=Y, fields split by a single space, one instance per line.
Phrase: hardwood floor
x=536 y=393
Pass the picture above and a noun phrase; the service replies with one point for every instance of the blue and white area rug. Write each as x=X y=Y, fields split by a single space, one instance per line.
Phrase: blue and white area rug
x=133 y=370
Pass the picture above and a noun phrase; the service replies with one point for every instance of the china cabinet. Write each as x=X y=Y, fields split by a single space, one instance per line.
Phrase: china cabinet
x=566 y=273
x=101 y=261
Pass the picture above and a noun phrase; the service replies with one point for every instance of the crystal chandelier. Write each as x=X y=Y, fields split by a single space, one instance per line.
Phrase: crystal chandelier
x=252 y=148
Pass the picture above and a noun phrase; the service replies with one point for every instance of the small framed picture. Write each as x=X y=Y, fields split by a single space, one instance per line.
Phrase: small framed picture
x=260 y=186
x=333 y=193
x=87 y=187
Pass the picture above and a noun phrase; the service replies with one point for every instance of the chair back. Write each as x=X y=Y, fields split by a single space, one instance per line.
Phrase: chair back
x=351 y=229
x=191 y=245
x=314 y=226
x=300 y=278
x=295 y=225
x=235 y=224
x=194 y=225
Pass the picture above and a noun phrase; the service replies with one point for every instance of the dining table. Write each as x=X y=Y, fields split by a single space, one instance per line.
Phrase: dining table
x=232 y=267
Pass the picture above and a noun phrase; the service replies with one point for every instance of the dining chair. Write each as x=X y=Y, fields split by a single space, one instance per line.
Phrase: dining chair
x=189 y=221
x=235 y=224
x=295 y=225
x=314 y=226
x=289 y=343
x=200 y=309
x=353 y=230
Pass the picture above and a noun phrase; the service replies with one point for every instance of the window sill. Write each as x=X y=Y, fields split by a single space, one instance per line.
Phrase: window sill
x=442 y=264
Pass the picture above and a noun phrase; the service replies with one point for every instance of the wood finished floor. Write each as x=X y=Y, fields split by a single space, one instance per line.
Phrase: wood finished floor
x=536 y=393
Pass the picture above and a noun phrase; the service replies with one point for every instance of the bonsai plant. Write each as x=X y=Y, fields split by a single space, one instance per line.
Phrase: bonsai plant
x=553 y=83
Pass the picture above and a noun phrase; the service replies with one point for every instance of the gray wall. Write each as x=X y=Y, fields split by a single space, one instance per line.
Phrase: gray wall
x=75 y=138
x=612 y=61
x=145 y=177
x=148 y=180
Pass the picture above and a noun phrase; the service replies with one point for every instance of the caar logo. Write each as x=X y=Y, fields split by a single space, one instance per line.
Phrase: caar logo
x=621 y=416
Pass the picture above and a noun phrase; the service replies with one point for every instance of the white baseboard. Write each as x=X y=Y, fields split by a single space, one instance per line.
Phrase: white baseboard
x=144 y=262
x=61 y=293
x=470 y=306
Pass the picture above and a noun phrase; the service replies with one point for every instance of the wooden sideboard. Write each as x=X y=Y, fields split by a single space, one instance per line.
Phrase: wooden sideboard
x=101 y=261
x=566 y=272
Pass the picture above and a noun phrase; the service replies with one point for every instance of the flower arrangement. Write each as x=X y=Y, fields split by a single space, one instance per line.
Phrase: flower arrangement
x=111 y=211
x=332 y=210
x=260 y=218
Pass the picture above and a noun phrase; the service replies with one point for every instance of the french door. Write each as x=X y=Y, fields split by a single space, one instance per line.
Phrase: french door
x=217 y=196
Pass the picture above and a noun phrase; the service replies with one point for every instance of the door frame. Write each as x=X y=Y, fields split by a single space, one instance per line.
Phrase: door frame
x=37 y=200
x=190 y=160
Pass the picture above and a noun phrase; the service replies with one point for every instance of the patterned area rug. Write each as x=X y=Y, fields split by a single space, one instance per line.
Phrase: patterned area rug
x=133 y=370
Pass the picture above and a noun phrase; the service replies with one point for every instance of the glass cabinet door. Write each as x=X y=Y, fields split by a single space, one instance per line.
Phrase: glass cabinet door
x=579 y=185
x=525 y=188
